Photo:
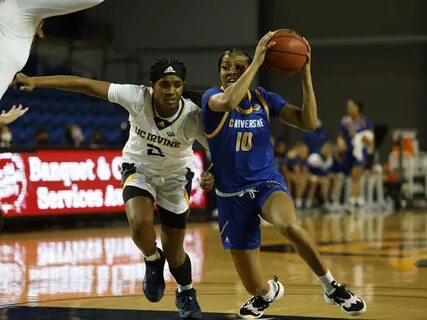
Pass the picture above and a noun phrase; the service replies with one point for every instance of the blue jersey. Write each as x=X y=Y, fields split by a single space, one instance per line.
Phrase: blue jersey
x=239 y=140
x=350 y=127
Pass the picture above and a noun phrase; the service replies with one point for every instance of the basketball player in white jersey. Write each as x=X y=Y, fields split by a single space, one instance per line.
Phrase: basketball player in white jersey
x=156 y=167
x=19 y=22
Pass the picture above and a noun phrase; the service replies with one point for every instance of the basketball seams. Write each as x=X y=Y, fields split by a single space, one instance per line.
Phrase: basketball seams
x=287 y=52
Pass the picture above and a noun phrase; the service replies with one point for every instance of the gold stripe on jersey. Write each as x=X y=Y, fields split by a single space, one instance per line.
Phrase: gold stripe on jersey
x=186 y=197
x=128 y=179
x=219 y=127
x=264 y=104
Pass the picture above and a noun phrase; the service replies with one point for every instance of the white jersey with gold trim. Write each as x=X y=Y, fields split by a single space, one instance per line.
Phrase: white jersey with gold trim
x=156 y=147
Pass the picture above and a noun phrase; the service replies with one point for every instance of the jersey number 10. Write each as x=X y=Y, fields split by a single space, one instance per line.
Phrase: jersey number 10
x=244 y=141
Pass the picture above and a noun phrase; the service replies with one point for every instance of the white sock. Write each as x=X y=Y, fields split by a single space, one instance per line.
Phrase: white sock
x=298 y=203
x=308 y=203
x=326 y=281
x=352 y=201
x=360 y=201
x=183 y=288
x=153 y=257
x=272 y=292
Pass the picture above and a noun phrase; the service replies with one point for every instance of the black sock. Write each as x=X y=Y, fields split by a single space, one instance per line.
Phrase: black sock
x=182 y=274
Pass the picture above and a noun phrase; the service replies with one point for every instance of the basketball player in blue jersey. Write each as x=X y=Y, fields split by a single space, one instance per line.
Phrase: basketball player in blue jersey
x=352 y=124
x=236 y=120
x=157 y=161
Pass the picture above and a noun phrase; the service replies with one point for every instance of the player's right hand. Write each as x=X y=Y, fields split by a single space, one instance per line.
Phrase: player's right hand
x=23 y=82
x=263 y=45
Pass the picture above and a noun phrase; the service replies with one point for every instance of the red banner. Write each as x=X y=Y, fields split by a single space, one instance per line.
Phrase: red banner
x=70 y=181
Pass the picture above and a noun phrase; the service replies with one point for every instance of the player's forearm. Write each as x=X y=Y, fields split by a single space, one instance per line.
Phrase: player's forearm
x=309 y=107
x=74 y=84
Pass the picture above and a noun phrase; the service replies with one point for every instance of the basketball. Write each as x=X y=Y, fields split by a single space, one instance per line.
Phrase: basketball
x=288 y=55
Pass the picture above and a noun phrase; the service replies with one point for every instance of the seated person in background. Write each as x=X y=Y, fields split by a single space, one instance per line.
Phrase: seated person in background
x=74 y=135
x=338 y=173
x=320 y=166
x=5 y=137
x=315 y=139
x=97 y=140
x=297 y=171
x=42 y=136
x=280 y=155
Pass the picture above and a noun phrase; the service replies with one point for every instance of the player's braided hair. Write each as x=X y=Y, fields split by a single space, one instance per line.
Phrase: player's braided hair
x=233 y=51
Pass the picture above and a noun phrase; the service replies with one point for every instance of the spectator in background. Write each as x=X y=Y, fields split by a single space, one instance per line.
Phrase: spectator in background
x=320 y=165
x=316 y=139
x=352 y=124
x=297 y=172
x=42 y=136
x=5 y=137
x=74 y=135
x=280 y=155
x=338 y=173
x=97 y=140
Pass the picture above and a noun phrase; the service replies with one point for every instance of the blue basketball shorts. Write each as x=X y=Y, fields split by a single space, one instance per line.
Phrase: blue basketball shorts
x=239 y=214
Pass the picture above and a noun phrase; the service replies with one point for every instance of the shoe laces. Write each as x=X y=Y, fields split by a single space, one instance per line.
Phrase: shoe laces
x=188 y=300
x=258 y=302
x=341 y=291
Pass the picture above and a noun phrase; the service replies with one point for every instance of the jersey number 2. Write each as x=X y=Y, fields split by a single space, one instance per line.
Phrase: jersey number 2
x=154 y=151
x=244 y=141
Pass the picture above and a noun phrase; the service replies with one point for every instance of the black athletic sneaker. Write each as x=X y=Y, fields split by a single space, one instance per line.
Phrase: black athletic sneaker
x=153 y=284
x=186 y=302
x=347 y=300
x=254 y=308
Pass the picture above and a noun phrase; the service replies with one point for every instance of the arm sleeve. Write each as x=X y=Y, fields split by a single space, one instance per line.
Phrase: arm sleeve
x=42 y=9
x=126 y=95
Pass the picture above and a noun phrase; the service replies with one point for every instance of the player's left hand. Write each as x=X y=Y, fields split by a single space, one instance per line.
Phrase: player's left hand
x=306 y=68
x=207 y=181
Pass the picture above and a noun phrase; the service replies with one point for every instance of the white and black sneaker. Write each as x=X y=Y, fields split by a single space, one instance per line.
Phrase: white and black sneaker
x=254 y=307
x=347 y=300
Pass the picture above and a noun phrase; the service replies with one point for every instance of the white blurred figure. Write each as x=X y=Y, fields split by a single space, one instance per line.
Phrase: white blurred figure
x=20 y=21
x=320 y=166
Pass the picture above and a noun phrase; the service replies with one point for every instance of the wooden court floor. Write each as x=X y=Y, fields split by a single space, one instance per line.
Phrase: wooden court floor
x=88 y=273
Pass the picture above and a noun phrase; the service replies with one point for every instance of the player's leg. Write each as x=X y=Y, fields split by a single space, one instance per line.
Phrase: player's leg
x=139 y=211
x=42 y=9
x=138 y=196
x=173 y=205
x=311 y=190
x=172 y=235
x=248 y=266
x=239 y=225
x=278 y=209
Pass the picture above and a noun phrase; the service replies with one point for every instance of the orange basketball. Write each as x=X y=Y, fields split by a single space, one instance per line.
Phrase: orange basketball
x=288 y=55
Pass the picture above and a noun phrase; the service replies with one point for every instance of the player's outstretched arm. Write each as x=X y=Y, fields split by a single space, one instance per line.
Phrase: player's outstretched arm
x=90 y=87
x=13 y=114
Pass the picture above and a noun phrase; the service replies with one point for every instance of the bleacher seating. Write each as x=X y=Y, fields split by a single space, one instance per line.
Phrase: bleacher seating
x=55 y=110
